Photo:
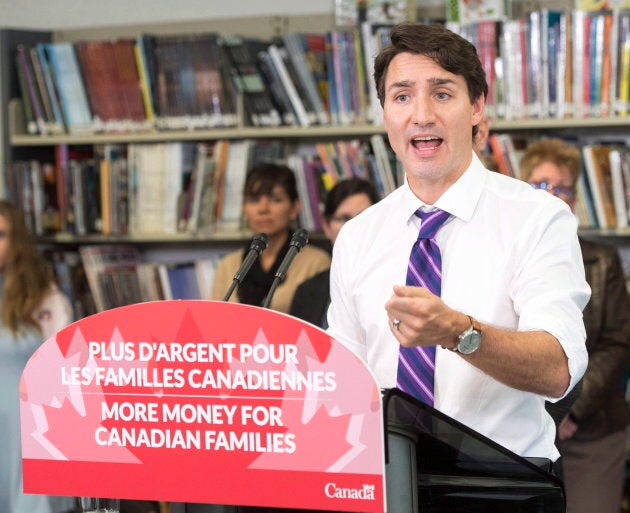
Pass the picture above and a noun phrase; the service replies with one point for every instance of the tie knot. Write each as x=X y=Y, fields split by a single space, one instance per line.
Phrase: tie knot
x=431 y=222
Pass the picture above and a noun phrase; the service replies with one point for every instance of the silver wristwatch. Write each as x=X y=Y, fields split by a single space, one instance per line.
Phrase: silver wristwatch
x=469 y=340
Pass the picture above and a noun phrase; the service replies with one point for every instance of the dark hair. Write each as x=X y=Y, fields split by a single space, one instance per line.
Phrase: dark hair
x=451 y=51
x=346 y=188
x=263 y=177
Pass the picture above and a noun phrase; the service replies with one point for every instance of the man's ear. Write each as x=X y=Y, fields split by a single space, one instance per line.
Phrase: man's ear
x=478 y=109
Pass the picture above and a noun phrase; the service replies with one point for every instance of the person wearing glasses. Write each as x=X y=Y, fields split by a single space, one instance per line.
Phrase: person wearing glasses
x=346 y=200
x=463 y=287
x=592 y=435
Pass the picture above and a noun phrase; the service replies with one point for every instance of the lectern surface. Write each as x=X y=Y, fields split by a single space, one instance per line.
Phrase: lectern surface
x=459 y=470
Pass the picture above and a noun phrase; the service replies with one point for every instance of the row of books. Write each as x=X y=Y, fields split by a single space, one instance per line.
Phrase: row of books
x=603 y=187
x=194 y=81
x=567 y=64
x=189 y=187
x=100 y=277
x=555 y=64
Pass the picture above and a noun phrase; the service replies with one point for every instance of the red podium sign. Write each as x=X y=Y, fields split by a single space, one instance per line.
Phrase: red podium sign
x=201 y=401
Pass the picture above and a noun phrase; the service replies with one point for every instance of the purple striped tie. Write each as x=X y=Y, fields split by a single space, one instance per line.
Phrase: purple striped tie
x=416 y=365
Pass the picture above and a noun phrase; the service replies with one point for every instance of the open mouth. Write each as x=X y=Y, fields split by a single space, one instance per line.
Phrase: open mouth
x=426 y=143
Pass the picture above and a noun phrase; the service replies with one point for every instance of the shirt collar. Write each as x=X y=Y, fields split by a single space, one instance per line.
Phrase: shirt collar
x=459 y=200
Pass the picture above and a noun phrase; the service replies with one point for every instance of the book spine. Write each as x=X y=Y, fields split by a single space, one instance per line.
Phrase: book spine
x=69 y=83
x=296 y=102
x=52 y=90
x=29 y=79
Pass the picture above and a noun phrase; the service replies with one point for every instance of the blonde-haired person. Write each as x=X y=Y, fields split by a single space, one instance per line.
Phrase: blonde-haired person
x=31 y=310
x=592 y=435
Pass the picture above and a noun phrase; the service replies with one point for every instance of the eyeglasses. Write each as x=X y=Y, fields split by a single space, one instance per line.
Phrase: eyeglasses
x=568 y=192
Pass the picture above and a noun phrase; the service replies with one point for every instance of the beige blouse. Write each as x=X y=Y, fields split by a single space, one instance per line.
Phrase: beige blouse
x=307 y=263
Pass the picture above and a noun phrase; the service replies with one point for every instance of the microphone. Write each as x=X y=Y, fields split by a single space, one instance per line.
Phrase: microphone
x=258 y=245
x=298 y=241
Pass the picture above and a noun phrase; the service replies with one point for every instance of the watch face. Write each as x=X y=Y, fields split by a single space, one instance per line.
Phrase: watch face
x=469 y=342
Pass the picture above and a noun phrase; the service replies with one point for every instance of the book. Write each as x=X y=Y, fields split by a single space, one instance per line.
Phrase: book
x=622 y=99
x=129 y=85
x=249 y=81
x=149 y=281
x=101 y=263
x=182 y=280
x=278 y=94
x=584 y=209
x=235 y=174
x=384 y=166
x=69 y=84
x=53 y=94
x=200 y=180
x=206 y=268
x=279 y=59
x=597 y=166
x=192 y=87
x=296 y=163
x=29 y=117
x=625 y=175
x=52 y=115
x=30 y=91
x=296 y=46
x=70 y=277
x=619 y=189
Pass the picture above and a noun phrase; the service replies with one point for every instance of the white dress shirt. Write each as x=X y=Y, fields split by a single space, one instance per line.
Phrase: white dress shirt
x=510 y=258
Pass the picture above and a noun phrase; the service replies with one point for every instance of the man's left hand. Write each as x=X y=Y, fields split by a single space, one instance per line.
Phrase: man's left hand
x=423 y=319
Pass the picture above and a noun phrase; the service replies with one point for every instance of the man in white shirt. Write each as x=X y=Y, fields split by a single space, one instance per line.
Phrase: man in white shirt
x=508 y=325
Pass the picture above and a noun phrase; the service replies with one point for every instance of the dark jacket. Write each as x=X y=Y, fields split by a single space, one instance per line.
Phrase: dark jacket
x=601 y=408
x=311 y=300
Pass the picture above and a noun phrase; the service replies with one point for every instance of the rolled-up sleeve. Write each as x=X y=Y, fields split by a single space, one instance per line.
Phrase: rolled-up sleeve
x=550 y=290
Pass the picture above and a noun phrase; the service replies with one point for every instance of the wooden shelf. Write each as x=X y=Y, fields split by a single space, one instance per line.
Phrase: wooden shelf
x=230 y=237
x=288 y=132
x=145 y=238
x=557 y=123
x=285 y=132
x=621 y=233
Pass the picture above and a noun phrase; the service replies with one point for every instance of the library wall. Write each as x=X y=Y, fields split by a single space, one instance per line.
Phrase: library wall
x=63 y=14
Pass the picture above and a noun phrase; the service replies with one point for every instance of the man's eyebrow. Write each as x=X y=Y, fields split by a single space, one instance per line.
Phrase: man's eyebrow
x=441 y=81
x=401 y=83
x=434 y=81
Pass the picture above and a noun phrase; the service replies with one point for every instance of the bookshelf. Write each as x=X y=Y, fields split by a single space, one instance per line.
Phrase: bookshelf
x=18 y=144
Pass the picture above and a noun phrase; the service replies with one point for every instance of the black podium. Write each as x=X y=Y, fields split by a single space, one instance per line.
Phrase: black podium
x=435 y=464
x=438 y=465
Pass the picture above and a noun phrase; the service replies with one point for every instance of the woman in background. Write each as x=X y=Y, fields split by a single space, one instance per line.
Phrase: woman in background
x=270 y=206
x=32 y=309
x=591 y=435
x=345 y=200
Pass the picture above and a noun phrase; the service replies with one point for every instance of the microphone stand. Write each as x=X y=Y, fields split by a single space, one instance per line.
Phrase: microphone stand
x=298 y=241
x=258 y=245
